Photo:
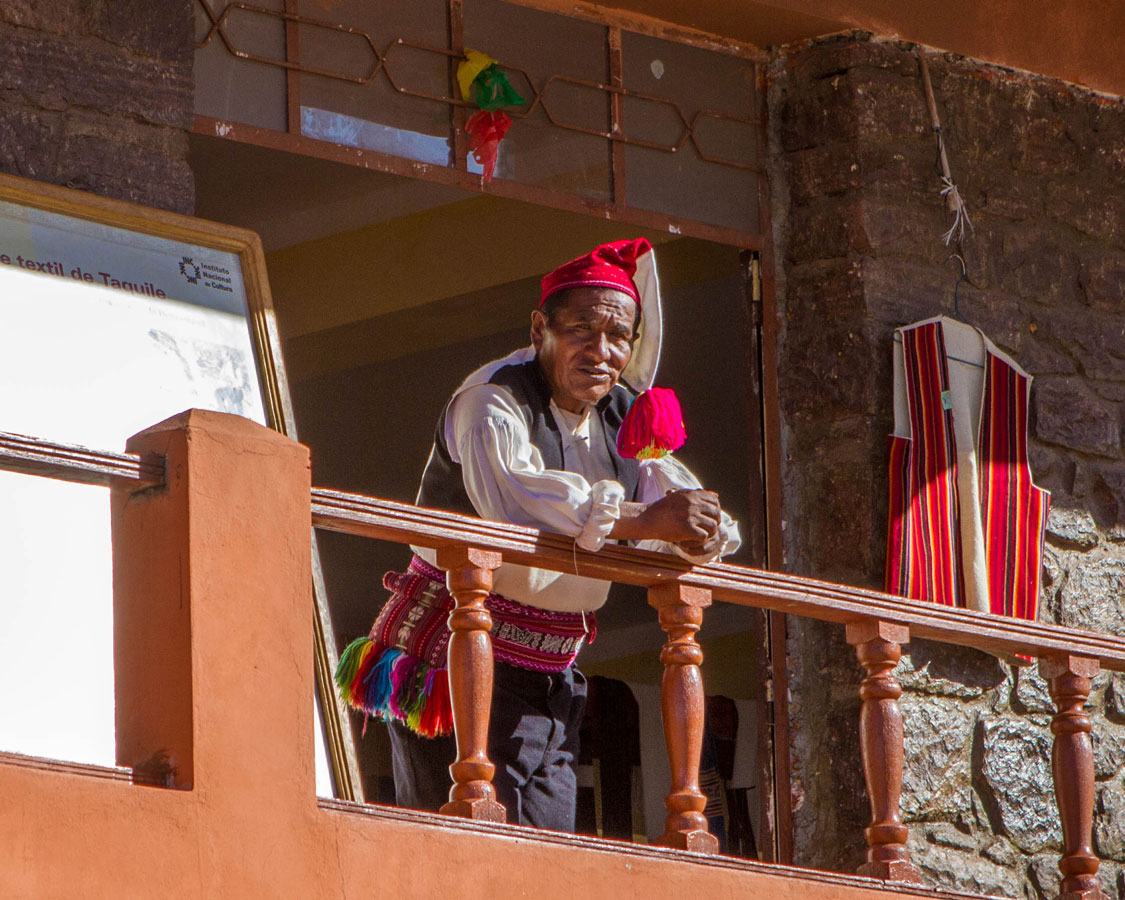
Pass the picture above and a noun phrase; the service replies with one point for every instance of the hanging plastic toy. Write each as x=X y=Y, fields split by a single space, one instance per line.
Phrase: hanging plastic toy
x=482 y=82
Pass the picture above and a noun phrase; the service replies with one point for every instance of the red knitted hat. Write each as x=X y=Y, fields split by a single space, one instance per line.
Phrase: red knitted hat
x=611 y=265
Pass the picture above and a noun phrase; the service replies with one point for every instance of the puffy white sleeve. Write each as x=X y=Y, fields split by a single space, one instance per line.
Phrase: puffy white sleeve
x=505 y=477
x=657 y=478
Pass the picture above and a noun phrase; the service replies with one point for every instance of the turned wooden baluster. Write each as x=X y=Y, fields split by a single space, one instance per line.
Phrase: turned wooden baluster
x=469 y=578
x=1072 y=762
x=682 y=704
x=878 y=647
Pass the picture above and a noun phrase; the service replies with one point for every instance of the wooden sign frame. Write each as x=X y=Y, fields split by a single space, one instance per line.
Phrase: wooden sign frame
x=266 y=344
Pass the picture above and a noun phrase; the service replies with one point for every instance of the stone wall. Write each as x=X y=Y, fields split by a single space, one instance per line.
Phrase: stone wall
x=858 y=220
x=98 y=96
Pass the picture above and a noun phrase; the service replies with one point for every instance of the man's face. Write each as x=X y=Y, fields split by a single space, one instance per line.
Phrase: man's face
x=589 y=341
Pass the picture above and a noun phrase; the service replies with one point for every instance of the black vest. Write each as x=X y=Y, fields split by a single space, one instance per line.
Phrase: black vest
x=442 y=484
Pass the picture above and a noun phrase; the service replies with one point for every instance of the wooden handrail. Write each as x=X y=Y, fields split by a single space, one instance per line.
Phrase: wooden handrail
x=388 y=520
x=877 y=624
x=403 y=523
x=69 y=462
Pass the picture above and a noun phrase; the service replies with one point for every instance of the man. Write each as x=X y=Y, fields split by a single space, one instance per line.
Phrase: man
x=532 y=439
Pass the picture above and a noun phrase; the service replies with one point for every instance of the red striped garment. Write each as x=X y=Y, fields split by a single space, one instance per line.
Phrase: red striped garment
x=925 y=559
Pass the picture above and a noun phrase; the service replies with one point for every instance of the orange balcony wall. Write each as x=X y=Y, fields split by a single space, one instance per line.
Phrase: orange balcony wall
x=214 y=671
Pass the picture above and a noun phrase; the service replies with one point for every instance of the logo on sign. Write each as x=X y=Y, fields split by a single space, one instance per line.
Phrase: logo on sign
x=190 y=270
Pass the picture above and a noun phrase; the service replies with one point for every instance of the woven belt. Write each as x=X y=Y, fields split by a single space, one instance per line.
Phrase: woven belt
x=398 y=671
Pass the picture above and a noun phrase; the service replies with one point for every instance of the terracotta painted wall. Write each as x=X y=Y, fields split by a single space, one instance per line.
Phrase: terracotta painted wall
x=214 y=566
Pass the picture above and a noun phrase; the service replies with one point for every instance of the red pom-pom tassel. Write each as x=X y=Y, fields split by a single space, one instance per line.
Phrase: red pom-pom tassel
x=653 y=427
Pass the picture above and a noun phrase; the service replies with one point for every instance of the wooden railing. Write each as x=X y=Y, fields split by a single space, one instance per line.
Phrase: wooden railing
x=876 y=624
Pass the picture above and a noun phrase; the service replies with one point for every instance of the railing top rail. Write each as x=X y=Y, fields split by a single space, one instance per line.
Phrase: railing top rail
x=404 y=523
x=69 y=462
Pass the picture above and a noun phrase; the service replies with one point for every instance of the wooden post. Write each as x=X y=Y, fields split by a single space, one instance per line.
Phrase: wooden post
x=469 y=578
x=1072 y=762
x=878 y=647
x=682 y=705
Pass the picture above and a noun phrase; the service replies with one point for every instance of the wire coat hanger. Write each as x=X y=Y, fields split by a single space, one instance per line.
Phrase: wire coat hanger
x=957 y=286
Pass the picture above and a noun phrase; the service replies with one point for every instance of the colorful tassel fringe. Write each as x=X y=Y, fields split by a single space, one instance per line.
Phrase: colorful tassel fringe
x=387 y=683
x=653 y=427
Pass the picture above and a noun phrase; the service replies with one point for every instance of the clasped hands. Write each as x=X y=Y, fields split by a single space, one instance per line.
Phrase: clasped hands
x=689 y=519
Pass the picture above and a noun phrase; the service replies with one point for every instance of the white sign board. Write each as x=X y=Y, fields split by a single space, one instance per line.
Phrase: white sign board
x=104 y=331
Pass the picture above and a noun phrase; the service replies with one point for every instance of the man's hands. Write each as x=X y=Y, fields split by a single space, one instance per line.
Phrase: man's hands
x=689 y=519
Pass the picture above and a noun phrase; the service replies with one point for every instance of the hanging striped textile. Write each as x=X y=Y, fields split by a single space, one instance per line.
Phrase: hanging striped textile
x=924 y=552
x=1013 y=510
x=924 y=546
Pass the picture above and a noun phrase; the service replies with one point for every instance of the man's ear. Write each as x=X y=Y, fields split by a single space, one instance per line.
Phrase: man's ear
x=538 y=327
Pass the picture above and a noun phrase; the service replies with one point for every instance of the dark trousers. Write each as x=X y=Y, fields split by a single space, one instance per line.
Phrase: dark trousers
x=533 y=742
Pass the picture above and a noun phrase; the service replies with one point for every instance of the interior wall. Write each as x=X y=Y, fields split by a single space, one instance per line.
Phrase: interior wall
x=367 y=410
x=415 y=259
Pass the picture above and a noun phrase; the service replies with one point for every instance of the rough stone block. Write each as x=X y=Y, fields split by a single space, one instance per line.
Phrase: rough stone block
x=825 y=170
x=1043 y=873
x=822 y=111
x=158 y=30
x=1091 y=210
x=57 y=73
x=1017 y=783
x=1002 y=853
x=961 y=870
x=998 y=191
x=892 y=229
x=1096 y=340
x=827 y=798
x=1045 y=147
x=1068 y=413
x=1039 y=352
x=825 y=230
x=51 y=16
x=1042 y=166
x=945 y=835
x=898 y=293
x=1053 y=563
x=946 y=670
x=937 y=749
x=845 y=540
x=1031 y=694
x=1101 y=277
x=835 y=57
x=29 y=142
x=1109 y=750
x=1093 y=597
x=1054 y=468
x=1074 y=528
x=1109 y=821
x=888 y=106
x=902 y=171
x=1100 y=488
x=827 y=364
x=1115 y=697
x=1037 y=264
x=151 y=176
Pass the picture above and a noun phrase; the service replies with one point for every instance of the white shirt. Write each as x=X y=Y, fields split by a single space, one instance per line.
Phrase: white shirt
x=504 y=476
